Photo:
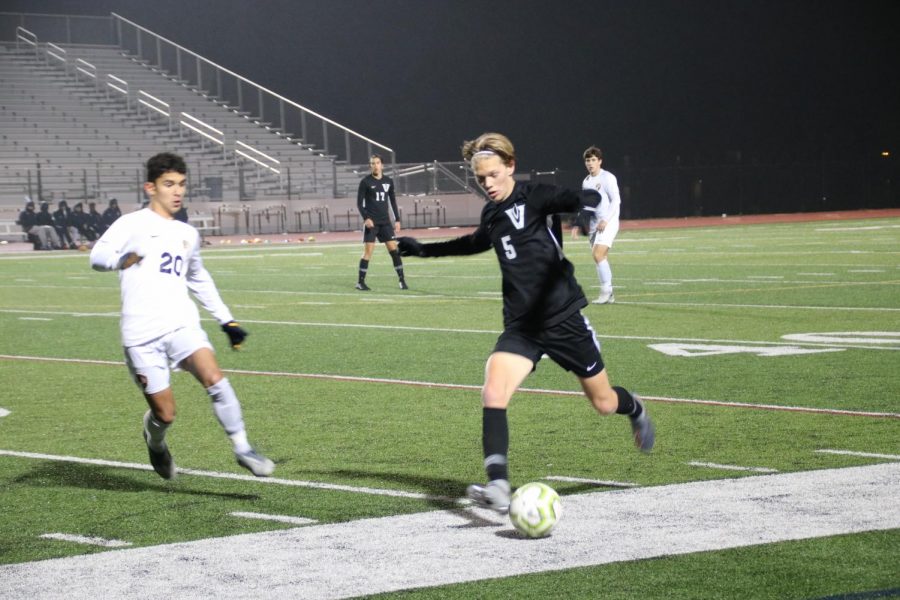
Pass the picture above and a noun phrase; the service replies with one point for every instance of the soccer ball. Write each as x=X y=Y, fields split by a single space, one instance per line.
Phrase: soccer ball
x=534 y=509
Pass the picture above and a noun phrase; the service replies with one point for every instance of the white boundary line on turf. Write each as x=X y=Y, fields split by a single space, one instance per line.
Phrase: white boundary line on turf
x=422 y=550
x=466 y=386
x=697 y=463
x=599 y=482
x=844 y=345
x=862 y=454
x=276 y=518
x=777 y=306
x=233 y=476
x=82 y=539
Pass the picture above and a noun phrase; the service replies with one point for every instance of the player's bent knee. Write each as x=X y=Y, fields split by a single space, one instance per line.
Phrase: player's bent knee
x=605 y=403
x=164 y=415
x=494 y=397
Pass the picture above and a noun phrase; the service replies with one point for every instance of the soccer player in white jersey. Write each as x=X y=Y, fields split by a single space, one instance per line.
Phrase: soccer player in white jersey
x=158 y=260
x=605 y=223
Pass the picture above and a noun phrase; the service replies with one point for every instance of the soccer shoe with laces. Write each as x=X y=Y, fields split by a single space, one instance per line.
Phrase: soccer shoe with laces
x=495 y=495
x=160 y=459
x=255 y=462
x=642 y=428
x=361 y=286
x=605 y=298
x=403 y=285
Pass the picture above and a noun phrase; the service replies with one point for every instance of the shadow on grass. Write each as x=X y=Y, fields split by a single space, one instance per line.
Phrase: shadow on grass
x=106 y=478
x=452 y=489
x=432 y=486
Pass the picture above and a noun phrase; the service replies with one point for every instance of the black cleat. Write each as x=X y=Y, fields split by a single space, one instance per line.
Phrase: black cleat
x=403 y=285
x=361 y=286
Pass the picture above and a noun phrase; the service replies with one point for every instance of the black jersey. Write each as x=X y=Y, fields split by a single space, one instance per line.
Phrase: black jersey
x=539 y=286
x=372 y=199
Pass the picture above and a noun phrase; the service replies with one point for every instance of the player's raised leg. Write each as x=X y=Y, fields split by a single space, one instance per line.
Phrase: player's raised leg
x=607 y=400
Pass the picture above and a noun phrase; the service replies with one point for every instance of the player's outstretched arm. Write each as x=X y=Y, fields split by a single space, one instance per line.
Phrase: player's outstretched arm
x=461 y=246
x=410 y=246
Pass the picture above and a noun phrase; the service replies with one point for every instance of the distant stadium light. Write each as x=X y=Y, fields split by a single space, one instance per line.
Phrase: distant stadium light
x=885 y=153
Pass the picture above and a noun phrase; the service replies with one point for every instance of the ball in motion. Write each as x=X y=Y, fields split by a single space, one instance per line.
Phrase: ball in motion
x=534 y=509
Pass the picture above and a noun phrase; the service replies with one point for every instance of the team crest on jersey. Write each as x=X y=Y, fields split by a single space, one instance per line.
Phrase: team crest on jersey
x=386 y=186
x=516 y=214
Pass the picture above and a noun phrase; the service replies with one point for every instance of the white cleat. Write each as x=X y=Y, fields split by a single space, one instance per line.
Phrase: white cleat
x=495 y=495
x=605 y=298
x=255 y=462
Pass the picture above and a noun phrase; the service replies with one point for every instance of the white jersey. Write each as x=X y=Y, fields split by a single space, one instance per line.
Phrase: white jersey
x=155 y=298
x=608 y=209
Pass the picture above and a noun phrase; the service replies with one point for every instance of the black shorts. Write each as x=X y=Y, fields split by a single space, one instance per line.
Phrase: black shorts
x=572 y=344
x=383 y=232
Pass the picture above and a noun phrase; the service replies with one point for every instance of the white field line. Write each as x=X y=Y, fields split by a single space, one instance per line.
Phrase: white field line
x=81 y=539
x=278 y=518
x=493 y=298
x=465 y=386
x=232 y=476
x=494 y=332
x=443 y=547
x=862 y=454
x=598 y=482
x=759 y=306
x=4 y=412
x=697 y=463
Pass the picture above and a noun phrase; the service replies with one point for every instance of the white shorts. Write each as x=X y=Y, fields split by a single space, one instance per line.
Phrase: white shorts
x=154 y=360
x=605 y=237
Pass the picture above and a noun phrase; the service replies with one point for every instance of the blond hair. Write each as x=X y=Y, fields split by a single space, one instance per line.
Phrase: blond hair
x=488 y=144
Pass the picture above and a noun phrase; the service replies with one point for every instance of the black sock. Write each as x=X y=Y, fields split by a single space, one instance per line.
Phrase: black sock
x=495 y=441
x=627 y=404
x=398 y=263
x=363 y=268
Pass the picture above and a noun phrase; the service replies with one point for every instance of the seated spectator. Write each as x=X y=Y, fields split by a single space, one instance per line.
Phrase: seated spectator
x=45 y=221
x=28 y=220
x=82 y=223
x=95 y=219
x=111 y=213
x=62 y=222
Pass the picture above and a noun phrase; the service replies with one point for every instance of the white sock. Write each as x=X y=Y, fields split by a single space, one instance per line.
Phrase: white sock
x=605 y=275
x=227 y=409
x=156 y=431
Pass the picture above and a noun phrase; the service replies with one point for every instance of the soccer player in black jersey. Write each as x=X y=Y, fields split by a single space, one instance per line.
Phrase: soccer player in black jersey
x=541 y=305
x=372 y=197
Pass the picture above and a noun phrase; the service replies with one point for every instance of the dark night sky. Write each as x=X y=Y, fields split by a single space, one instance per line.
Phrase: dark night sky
x=650 y=79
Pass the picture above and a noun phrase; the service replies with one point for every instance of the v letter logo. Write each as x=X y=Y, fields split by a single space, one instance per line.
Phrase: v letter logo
x=516 y=214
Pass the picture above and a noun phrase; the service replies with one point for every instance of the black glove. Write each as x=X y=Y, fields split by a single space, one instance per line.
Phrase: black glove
x=410 y=247
x=235 y=333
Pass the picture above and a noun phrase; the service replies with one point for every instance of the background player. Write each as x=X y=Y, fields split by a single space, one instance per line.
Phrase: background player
x=158 y=259
x=372 y=197
x=541 y=305
x=605 y=224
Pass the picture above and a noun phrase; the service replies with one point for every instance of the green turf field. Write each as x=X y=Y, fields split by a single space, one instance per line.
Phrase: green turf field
x=379 y=391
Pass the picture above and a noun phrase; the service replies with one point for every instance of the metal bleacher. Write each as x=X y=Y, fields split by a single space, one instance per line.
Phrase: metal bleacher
x=78 y=121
